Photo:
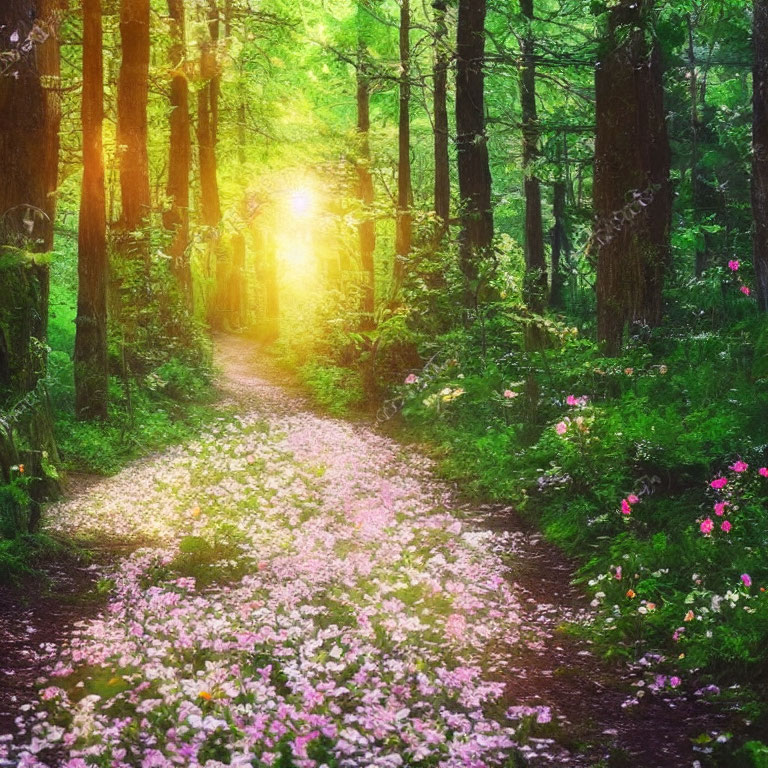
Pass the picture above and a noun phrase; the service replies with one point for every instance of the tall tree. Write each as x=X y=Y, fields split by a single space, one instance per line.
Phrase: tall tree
x=366 y=228
x=760 y=150
x=560 y=244
x=632 y=192
x=442 y=162
x=535 y=262
x=472 y=146
x=176 y=218
x=210 y=207
x=404 y=223
x=91 y=322
x=29 y=125
x=132 y=98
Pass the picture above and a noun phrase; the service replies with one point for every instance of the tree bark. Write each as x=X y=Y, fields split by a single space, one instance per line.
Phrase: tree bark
x=535 y=286
x=442 y=162
x=366 y=229
x=176 y=218
x=632 y=161
x=210 y=207
x=560 y=245
x=91 y=322
x=132 y=97
x=29 y=125
x=760 y=151
x=404 y=222
x=472 y=146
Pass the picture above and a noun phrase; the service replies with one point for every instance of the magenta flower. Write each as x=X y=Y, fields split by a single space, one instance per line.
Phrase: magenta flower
x=707 y=526
x=561 y=427
x=625 y=508
x=720 y=508
x=745 y=290
x=733 y=265
x=718 y=483
x=739 y=466
x=725 y=526
x=674 y=681
x=633 y=499
x=763 y=471
x=747 y=579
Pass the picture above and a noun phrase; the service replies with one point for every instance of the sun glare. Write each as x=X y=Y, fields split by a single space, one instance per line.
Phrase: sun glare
x=301 y=202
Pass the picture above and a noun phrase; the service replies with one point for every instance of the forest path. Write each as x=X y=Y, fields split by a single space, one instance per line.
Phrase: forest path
x=306 y=583
x=598 y=717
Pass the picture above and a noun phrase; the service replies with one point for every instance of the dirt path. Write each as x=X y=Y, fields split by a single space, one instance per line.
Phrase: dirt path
x=598 y=717
x=580 y=703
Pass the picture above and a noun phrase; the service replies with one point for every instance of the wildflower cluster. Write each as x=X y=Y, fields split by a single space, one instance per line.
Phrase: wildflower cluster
x=337 y=620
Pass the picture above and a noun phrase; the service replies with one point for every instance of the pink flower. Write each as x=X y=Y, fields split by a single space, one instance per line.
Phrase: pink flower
x=411 y=378
x=561 y=427
x=725 y=527
x=625 y=508
x=674 y=681
x=509 y=394
x=718 y=483
x=720 y=508
x=733 y=265
x=576 y=401
x=739 y=466
x=763 y=471
x=707 y=526
x=745 y=290
x=747 y=579
x=617 y=575
x=632 y=499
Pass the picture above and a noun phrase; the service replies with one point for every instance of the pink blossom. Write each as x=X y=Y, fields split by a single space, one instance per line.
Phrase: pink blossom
x=617 y=574
x=733 y=265
x=763 y=471
x=561 y=427
x=509 y=394
x=739 y=466
x=707 y=526
x=718 y=483
x=674 y=681
x=633 y=499
x=720 y=508
x=745 y=290
x=725 y=526
x=411 y=378
x=625 y=508
x=747 y=579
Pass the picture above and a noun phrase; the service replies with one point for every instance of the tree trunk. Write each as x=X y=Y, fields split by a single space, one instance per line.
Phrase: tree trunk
x=367 y=227
x=472 y=146
x=214 y=81
x=760 y=151
x=560 y=245
x=442 y=163
x=535 y=286
x=176 y=218
x=132 y=97
x=91 y=322
x=403 y=222
x=210 y=207
x=29 y=124
x=632 y=192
